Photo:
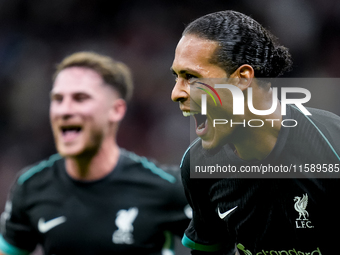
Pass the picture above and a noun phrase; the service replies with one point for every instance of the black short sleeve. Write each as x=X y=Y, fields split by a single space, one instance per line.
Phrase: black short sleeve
x=17 y=234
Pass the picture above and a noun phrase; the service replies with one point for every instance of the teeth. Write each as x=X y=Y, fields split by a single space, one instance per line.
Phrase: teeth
x=187 y=114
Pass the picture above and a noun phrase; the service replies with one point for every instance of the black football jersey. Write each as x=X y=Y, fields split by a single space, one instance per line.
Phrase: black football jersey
x=291 y=214
x=133 y=210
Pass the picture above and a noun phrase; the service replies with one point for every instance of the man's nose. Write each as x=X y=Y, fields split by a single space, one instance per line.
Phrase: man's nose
x=181 y=91
x=65 y=109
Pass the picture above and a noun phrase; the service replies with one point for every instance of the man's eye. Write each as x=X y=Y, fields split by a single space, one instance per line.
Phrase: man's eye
x=56 y=98
x=81 y=97
x=175 y=76
x=191 y=78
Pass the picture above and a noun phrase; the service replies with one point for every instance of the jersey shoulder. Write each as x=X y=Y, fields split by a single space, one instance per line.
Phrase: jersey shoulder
x=32 y=172
x=32 y=181
x=159 y=181
x=321 y=127
x=318 y=117
x=142 y=167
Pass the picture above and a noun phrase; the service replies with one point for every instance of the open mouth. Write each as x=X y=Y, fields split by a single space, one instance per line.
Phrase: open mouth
x=69 y=133
x=200 y=120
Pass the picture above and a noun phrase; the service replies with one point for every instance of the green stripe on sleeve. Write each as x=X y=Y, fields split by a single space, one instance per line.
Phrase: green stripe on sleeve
x=187 y=242
x=42 y=165
x=10 y=249
x=152 y=167
x=322 y=134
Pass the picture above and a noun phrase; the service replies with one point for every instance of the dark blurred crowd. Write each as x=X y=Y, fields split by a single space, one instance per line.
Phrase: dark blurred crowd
x=35 y=35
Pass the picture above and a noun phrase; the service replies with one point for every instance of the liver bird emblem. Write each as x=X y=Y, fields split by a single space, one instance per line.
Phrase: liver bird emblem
x=124 y=220
x=300 y=206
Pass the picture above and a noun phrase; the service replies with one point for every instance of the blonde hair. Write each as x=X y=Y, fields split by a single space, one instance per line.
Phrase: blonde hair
x=114 y=73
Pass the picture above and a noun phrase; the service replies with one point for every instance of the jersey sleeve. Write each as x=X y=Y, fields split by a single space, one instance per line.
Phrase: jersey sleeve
x=206 y=232
x=178 y=211
x=17 y=236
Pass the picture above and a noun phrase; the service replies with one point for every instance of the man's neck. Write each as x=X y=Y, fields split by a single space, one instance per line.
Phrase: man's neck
x=95 y=166
x=256 y=143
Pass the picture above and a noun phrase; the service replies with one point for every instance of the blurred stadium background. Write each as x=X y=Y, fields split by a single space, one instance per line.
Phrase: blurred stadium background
x=37 y=34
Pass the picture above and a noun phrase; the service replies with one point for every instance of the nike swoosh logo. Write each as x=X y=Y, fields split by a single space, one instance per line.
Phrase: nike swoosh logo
x=48 y=225
x=223 y=215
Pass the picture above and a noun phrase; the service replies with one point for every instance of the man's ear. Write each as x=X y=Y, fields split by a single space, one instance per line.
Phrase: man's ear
x=245 y=75
x=118 y=110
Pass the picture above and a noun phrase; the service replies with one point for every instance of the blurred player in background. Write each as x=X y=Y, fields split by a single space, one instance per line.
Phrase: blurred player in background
x=242 y=215
x=93 y=197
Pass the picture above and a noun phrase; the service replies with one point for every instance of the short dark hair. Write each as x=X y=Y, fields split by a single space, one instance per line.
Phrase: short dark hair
x=113 y=72
x=242 y=40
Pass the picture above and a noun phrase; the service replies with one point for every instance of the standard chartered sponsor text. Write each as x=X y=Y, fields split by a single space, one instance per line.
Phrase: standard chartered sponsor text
x=269 y=168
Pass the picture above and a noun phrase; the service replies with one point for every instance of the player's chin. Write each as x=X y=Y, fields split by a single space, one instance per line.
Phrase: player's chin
x=70 y=151
x=207 y=145
x=208 y=142
x=211 y=141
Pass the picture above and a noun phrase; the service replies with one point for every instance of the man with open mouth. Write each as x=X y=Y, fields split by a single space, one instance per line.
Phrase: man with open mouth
x=93 y=197
x=240 y=212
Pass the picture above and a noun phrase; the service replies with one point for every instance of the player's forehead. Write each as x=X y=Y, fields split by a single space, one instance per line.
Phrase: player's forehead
x=77 y=79
x=193 y=54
